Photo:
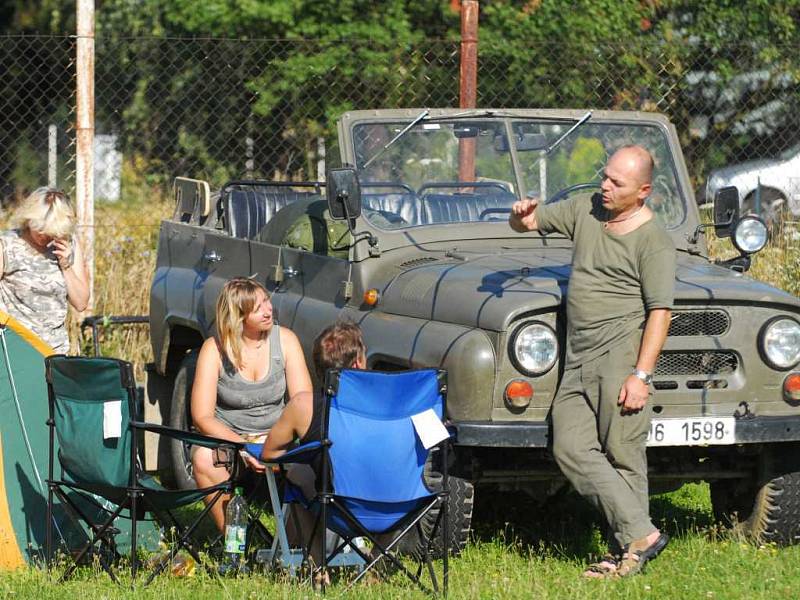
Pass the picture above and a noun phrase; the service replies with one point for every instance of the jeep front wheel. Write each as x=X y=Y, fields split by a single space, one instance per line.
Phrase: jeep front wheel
x=180 y=418
x=459 y=514
x=769 y=513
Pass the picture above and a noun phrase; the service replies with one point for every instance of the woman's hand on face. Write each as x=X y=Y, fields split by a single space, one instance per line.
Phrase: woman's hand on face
x=63 y=251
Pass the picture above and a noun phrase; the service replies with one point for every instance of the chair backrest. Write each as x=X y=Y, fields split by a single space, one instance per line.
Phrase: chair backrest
x=376 y=454
x=79 y=391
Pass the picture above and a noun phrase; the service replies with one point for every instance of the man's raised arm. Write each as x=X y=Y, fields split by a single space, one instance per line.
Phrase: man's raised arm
x=523 y=215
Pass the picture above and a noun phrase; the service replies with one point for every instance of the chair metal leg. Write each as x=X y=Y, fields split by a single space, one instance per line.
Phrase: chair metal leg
x=445 y=499
x=134 y=517
x=324 y=542
x=97 y=535
x=280 y=522
x=385 y=551
x=49 y=529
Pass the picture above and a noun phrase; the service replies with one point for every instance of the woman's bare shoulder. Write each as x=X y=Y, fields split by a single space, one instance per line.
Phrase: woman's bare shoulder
x=210 y=350
x=289 y=338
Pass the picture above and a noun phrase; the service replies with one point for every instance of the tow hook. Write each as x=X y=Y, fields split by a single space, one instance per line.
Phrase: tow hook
x=745 y=411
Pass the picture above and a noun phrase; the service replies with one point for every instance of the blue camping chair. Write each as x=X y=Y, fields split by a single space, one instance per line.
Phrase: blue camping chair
x=94 y=416
x=372 y=466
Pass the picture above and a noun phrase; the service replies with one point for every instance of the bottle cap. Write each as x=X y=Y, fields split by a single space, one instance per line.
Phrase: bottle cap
x=239 y=491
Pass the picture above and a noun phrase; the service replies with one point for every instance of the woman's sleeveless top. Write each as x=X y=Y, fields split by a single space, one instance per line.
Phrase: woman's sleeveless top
x=33 y=291
x=252 y=406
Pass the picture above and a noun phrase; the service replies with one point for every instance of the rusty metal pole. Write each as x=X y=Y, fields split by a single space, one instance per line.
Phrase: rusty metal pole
x=468 y=83
x=84 y=136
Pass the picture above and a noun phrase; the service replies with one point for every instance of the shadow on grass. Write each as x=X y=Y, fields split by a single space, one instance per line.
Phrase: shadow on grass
x=207 y=537
x=567 y=526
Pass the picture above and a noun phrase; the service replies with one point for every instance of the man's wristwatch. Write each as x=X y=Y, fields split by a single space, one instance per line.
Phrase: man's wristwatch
x=646 y=377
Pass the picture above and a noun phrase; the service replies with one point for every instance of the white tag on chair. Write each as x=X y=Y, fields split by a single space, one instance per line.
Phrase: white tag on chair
x=112 y=419
x=430 y=428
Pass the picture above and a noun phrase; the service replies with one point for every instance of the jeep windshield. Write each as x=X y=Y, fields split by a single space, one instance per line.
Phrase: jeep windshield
x=469 y=170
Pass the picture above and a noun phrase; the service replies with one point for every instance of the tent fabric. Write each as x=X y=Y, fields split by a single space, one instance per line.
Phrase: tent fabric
x=23 y=455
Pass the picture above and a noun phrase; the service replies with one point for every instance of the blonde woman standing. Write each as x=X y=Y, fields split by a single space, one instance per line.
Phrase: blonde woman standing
x=243 y=376
x=41 y=268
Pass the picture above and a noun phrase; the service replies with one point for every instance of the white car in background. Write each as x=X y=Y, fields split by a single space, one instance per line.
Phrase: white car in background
x=779 y=179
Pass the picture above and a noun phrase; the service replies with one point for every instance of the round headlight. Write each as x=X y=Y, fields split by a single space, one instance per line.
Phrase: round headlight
x=534 y=348
x=780 y=343
x=750 y=234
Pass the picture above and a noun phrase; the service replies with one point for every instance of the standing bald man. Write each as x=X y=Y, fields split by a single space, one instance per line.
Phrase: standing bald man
x=618 y=314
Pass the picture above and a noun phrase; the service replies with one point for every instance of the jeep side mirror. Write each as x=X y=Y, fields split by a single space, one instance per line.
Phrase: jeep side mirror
x=726 y=215
x=726 y=211
x=344 y=194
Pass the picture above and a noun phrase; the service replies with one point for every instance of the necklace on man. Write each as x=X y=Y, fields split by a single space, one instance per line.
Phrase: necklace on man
x=630 y=216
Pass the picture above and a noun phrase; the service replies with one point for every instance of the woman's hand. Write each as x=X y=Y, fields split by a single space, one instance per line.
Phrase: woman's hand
x=63 y=251
x=252 y=463
x=76 y=276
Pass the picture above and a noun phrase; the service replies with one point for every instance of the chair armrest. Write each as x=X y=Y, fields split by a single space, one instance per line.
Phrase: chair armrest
x=300 y=454
x=197 y=439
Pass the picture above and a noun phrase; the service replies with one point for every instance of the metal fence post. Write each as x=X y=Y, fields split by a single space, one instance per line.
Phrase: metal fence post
x=84 y=130
x=52 y=156
x=468 y=88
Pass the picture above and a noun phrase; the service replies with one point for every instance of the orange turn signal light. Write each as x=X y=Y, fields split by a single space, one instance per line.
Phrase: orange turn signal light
x=371 y=297
x=791 y=387
x=518 y=393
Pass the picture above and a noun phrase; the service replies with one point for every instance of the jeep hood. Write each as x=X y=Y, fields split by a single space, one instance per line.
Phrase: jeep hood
x=489 y=291
x=481 y=290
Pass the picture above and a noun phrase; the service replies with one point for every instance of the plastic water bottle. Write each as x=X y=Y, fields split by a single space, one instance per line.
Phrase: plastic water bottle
x=235 y=532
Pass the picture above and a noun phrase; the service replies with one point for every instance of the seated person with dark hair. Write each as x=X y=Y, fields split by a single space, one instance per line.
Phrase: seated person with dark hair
x=339 y=346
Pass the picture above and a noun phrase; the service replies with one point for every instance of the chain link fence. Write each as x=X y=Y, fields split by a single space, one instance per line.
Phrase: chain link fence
x=37 y=113
x=221 y=108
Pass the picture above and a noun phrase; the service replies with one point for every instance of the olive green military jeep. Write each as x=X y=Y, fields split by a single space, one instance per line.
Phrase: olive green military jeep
x=436 y=278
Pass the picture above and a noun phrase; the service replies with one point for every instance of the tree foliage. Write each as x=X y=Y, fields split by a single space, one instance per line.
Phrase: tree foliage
x=723 y=70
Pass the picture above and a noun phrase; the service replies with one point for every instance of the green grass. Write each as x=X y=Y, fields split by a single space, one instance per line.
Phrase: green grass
x=519 y=550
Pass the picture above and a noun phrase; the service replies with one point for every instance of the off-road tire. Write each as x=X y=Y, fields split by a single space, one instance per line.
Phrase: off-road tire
x=459 y=514
x=770 y=513
x=180 y=418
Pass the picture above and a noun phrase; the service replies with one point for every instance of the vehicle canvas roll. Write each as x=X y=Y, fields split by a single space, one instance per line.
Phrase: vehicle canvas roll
x=24 y=456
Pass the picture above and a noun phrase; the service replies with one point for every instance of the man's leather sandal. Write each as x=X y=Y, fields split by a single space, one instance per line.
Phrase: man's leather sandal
x=638 y=554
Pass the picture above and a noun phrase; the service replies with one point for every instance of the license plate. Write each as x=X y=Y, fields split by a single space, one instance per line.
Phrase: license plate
x=699 y=431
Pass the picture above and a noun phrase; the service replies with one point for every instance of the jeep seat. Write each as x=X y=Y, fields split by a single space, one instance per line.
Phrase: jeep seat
x=245 y=212
x=462 y=207
x=404 y=205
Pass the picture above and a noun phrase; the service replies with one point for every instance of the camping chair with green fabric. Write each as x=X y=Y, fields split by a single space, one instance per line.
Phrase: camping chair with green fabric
x=95 y=418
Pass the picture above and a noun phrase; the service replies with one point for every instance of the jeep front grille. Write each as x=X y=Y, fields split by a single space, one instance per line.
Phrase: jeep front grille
x=711 y=362
x=699 y=322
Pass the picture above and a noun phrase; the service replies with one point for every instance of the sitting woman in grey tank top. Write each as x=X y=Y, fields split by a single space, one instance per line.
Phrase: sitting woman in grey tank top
x=243 y=376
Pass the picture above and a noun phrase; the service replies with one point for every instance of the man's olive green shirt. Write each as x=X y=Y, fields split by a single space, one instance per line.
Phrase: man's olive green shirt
x=615 y=278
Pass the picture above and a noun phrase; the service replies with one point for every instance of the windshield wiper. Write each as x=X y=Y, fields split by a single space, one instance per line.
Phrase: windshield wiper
x=567 y=133
x=419 y=118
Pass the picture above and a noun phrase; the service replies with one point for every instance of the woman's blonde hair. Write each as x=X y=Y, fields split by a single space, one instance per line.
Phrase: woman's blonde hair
x=46 y=211
x=236 y=300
